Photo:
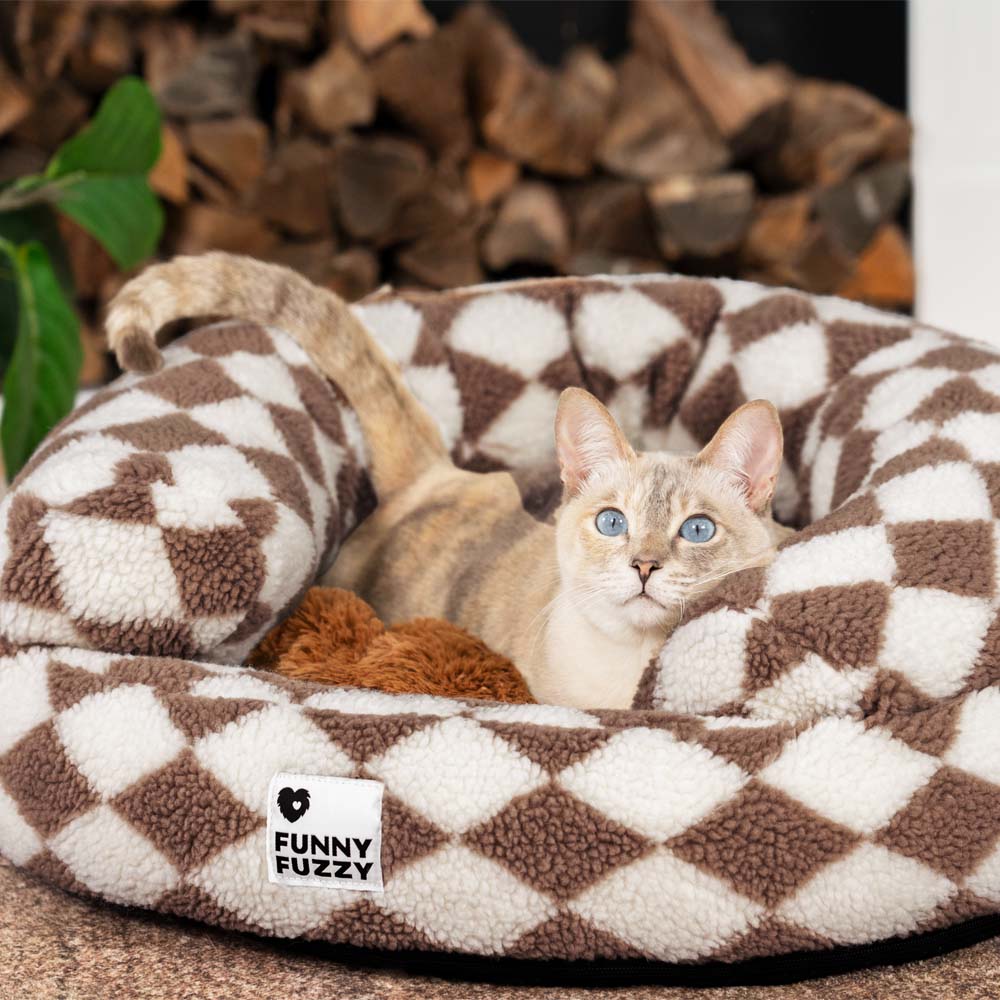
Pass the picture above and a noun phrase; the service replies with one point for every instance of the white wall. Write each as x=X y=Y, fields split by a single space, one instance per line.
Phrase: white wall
x=955 y=105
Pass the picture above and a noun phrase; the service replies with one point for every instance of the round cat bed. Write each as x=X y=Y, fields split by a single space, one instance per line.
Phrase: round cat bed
x=812 y=760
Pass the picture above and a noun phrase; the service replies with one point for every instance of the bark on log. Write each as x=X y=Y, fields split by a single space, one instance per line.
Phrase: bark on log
x=656 y=129
x=745 y=102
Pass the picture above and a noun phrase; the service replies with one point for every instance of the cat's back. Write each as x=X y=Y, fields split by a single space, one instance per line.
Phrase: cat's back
x=456 y=545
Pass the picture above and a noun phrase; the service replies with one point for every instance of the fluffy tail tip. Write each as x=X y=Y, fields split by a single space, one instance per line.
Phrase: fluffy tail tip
x=136 y=351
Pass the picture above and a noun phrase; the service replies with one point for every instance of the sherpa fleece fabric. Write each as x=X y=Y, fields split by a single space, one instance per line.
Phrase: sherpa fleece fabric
x=812 y=760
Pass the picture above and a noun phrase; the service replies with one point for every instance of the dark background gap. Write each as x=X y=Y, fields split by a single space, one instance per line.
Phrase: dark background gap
x=856 y=41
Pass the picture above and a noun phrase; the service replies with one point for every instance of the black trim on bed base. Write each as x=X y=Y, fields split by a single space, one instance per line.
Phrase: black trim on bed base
x=771 y=971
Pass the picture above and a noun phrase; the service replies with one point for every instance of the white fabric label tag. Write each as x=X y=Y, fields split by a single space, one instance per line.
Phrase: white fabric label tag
x=325 y=831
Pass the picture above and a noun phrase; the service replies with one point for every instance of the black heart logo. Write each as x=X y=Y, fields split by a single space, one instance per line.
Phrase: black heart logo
x=293 y=803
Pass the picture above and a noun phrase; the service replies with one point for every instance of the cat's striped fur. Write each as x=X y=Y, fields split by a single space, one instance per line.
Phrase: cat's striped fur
x=564 y=602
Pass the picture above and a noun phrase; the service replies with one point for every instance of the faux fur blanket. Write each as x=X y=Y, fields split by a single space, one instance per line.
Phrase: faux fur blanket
x=813 y=759
x=334 y=637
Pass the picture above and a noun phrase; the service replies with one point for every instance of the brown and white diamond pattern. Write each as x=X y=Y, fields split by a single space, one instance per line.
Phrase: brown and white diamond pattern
x=489 y=365
x=903 y=451
x=180 y=513
x=649 y=843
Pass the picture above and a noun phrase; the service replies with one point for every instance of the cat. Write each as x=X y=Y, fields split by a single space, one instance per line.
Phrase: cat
x=580 y=606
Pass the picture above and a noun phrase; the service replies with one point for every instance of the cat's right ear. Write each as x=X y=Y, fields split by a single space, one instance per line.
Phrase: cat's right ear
x=587 y=439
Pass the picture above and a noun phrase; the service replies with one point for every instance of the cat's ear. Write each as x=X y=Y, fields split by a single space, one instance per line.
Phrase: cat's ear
x=587 y=439
x=749 y=446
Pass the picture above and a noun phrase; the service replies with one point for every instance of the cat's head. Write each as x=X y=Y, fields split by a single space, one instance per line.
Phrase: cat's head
x=640 y=535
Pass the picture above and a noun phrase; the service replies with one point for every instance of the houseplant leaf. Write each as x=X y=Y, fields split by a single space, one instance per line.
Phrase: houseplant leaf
x=39 y=223
x=40 y=383
x=123 y=137
x=100 y=174
x=120 y=212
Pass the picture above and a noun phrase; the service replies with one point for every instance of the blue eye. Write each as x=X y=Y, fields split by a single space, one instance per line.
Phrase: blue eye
x=697 y=529
x=611 y=522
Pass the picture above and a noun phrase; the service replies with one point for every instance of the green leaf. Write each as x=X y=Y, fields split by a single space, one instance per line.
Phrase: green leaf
x=8 y=313
x=40 y=384
x=122 y=138
x=38 y=223
x=122 y=213
x=100 y=174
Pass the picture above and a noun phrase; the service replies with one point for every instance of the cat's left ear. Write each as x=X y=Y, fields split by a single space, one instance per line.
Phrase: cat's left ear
x=749 y=446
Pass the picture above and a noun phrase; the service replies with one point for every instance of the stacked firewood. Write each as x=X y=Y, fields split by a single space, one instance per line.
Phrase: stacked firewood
x=361 y=142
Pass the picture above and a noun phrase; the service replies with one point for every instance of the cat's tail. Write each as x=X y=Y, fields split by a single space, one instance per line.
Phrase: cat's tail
x=402 y=438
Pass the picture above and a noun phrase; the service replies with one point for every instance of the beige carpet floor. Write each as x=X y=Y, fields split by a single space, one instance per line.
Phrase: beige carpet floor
x=56 y=947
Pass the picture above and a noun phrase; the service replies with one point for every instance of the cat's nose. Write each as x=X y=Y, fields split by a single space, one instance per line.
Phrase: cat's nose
x=645 y=568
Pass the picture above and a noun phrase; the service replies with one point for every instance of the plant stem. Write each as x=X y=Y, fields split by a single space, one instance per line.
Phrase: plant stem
x=14 y=198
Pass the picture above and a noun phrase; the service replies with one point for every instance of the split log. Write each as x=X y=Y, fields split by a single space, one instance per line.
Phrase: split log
x=373 y=24
x=745 y=102
x=208 y=187
x=778 y=233
x=211 y=227
x=701 y=216
x=58 y=111
x=294 y=192
x=373 y=178
x=105 y=55
x=884 y=274
x=438 y=112
x=167 y=46
x=235 y=149
x=44 y=35
x=352 y=274
x=169 y=178
x=444 y=260
x=16 y=160
x=311 y=258
x=612 y=217
x=854 y=210
x=335 y=92
x=823 y=266
x=489 y=176
x=554 y=122
x=656 y=130
x=833 y=129
x=15 y=99
x=440 y=206
x=218 y=80
x=788 y=245
x=531 y=228
x=549 y=121
x=284 y=22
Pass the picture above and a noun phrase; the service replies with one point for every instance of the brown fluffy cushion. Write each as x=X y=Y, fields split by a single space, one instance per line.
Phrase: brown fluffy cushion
x=334 y=637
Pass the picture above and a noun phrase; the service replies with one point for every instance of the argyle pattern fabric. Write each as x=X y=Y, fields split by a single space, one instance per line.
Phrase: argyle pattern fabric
x=812 y=759
x=888 y=598
x=522 y=830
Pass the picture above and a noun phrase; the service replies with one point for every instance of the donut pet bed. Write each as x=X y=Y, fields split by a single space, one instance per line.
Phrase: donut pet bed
x=812 y=761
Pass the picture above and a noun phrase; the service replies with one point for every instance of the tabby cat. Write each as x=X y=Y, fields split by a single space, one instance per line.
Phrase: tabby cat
x=580 y=606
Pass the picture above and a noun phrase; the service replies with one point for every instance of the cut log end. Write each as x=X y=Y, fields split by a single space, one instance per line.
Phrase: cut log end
x=702 y=216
